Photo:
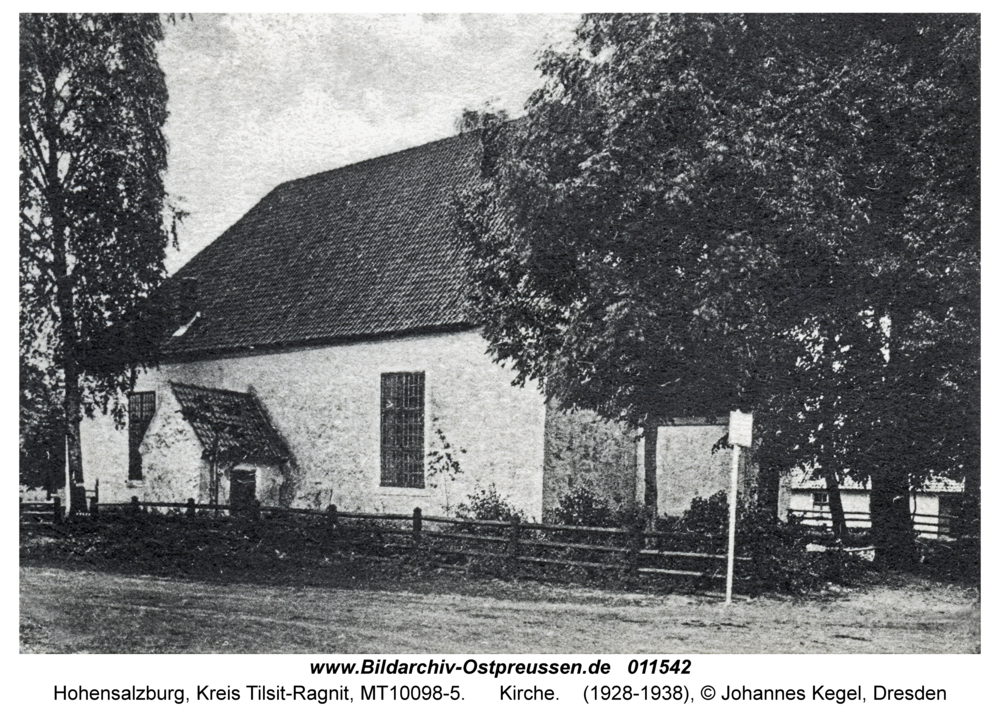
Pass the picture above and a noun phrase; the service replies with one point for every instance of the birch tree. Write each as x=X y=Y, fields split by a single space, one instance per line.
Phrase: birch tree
x=94 y=220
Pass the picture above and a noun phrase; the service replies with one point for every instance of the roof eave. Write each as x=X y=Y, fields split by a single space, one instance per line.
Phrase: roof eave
x=167 y=356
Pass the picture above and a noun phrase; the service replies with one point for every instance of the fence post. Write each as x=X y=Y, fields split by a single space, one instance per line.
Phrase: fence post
x=417 y=524
x=514 y=539
x=93 y=506
x=190 y=507
x=57 y=509
x=331 y=520
x=635 y=537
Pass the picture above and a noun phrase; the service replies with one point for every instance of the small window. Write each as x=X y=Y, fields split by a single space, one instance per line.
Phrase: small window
x=141 y=406
x=821 y=500
x=403 y=429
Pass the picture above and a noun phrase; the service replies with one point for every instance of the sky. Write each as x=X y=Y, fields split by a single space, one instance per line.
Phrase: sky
x=256 y=100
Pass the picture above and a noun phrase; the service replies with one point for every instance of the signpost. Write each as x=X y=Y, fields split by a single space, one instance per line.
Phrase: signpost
x=740 y=435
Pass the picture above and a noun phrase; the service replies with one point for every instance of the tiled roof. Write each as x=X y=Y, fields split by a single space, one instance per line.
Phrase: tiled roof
x=233 y=424
x=364 y=250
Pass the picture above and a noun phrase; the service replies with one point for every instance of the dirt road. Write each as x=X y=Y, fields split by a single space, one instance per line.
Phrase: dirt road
x=65 y=610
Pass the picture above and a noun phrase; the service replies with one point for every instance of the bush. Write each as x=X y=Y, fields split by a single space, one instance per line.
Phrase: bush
x=707 y=516
x=952 y=559
x=487 y=503
x=581 y=508
x=778 y=560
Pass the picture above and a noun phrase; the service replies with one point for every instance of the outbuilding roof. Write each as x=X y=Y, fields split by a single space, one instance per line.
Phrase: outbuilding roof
x=230 y=425
x=369 y=249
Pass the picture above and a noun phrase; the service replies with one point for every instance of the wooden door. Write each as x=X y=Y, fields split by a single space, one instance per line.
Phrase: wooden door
x=242 y=490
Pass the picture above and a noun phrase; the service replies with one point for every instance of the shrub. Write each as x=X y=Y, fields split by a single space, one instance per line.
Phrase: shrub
x=707 y=516
x=581 y=508
x=778 y=560
x=441 y=459
x=952 y=559
x=488 y=504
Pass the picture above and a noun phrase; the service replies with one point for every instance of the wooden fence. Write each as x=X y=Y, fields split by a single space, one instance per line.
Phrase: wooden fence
x=41 y=511
x=929 y=525
x=631 y=552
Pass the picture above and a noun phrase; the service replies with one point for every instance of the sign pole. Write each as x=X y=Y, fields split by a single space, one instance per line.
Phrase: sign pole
x=733 y=489
x=740 y=435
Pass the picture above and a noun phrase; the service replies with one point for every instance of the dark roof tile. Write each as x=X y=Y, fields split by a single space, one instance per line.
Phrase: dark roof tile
x=367 y=249
x=232 y=424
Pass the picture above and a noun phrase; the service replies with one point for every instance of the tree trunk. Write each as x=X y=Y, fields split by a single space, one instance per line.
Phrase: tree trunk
x=836 y=507
x=649 y=434
x=74 y=480
x=892 y=529
x=971 y=508
x=72 y=403
x=67 y=359
x=769 y=487
x=889 y=505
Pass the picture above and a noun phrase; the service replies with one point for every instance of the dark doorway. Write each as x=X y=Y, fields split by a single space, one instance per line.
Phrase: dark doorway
x=242 y=490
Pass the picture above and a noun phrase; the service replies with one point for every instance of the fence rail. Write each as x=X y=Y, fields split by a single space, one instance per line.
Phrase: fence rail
x=630 y=551
x=39 y=511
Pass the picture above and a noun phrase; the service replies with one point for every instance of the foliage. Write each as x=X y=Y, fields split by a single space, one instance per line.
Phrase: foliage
x=708 y=516
x=581 y=508
x=953 y=560
x=443 y=466
x=280 y=547
x=779 y=561
x=94 y=224
x=487 y=503
x=42 y=455
x=774 y=213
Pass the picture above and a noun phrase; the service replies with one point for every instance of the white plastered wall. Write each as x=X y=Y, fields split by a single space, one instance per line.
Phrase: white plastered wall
x=325 y=402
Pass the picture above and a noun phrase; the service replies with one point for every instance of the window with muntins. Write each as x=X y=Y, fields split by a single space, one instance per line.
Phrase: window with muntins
x=141 y=406
x=403 y=429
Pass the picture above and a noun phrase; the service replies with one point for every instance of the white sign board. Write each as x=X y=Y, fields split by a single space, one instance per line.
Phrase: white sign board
x=741 y=428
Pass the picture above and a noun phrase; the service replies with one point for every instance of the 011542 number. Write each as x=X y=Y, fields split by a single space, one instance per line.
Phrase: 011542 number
x=659 y=666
